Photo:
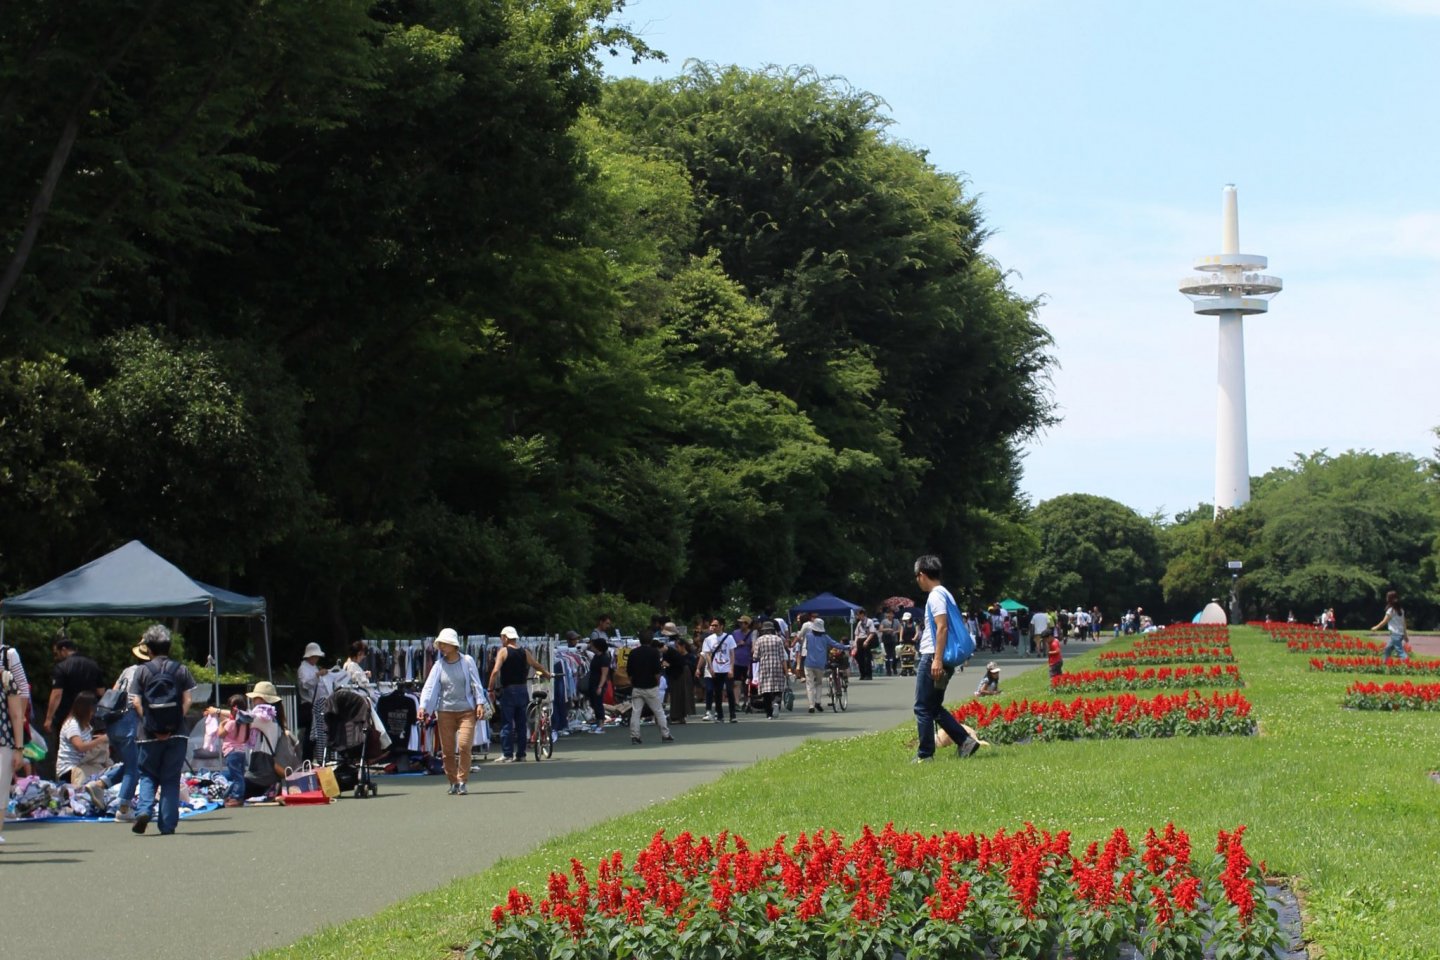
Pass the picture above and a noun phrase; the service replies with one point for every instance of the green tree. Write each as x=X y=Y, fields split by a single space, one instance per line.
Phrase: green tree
x=1094 y=550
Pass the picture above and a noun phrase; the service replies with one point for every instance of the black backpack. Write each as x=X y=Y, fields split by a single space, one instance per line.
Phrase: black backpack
x=160 y=695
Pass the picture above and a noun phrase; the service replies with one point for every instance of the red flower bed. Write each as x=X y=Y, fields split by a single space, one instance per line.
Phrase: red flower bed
x=1347 y=645
x=1121 y=715
x=1178 y=654
x=1393 y=696
x=952 y=895
x=1376 y=665
x=1186 y=633
x=1131 y=678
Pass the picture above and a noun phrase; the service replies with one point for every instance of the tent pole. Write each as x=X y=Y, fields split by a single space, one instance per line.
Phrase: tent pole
x=215 y=654
x=269 y=664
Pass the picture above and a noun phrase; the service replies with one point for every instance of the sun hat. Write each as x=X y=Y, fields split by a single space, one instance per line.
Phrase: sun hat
x=670 y=629
x=449 y=636
x=746 y=620
x=817 y=625
x=992 y=667
x=264 y=690
x=140 y=651
x=510 y=633
x=905 y=616
x=313 y=650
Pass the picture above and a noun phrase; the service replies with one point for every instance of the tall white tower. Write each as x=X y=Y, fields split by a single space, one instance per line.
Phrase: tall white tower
x=1230 y=286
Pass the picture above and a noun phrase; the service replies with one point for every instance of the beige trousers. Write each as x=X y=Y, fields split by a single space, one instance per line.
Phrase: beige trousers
x=456 y=731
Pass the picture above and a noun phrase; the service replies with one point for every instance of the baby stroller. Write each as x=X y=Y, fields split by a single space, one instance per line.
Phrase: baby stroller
x=908 y=659
x=348 y=731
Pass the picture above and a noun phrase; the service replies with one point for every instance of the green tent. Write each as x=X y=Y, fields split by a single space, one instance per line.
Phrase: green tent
x=1013 y=606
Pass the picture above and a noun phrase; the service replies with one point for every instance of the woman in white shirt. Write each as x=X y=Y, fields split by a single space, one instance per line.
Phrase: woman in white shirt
x=1394 y=619
x=83 y=755
x=307 y=682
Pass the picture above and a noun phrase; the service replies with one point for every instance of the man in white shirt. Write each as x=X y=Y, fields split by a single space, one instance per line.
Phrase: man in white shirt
x=931 y=674
x=717 y=661
x=1039 y=630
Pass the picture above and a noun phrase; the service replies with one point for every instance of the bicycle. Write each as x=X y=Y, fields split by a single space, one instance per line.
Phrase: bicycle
x=537 y=718
x=839 y=689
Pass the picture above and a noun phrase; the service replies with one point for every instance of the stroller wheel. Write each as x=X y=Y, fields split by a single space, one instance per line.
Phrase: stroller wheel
x=360 y=792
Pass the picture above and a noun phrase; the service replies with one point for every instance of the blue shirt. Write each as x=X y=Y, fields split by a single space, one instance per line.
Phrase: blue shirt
x=817 y=646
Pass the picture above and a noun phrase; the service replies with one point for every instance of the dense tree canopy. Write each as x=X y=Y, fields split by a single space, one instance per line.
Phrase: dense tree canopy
x=1093 y=550
x=401 y=315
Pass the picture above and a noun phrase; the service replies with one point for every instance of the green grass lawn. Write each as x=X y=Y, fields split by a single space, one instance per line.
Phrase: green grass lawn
x=1339 y=800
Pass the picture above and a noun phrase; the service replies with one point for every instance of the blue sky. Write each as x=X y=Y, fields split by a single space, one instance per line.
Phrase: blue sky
x=1098 y=136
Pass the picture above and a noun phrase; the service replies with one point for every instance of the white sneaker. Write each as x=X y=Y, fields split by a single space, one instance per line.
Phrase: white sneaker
x=709 y=715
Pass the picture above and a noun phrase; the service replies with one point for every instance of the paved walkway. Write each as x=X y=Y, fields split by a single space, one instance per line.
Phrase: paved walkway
x=246 y=880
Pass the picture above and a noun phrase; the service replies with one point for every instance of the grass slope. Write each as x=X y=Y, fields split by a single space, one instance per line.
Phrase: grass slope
x=1337 y=799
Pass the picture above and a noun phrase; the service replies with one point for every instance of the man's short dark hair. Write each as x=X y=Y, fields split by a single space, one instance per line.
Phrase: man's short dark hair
x=603 y=617
x=930 y=565
x=63 y=642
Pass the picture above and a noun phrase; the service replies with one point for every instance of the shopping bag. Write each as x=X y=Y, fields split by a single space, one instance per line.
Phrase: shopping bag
x=306 y=799
x=325 y=777
x=304 y=780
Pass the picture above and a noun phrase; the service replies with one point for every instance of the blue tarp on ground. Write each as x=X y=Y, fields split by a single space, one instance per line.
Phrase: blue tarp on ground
x=133 y=581
x=825 y=605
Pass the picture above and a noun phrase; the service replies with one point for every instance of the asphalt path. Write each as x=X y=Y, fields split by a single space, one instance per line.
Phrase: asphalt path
x=234 y=882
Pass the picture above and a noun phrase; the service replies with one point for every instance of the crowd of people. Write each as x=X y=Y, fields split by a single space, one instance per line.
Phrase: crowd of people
x=125 y=745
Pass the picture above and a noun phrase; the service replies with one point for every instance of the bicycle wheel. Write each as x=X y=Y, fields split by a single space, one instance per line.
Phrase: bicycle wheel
x=844 y=693
x=544 y=736
x=532 y=724
x=835 y=692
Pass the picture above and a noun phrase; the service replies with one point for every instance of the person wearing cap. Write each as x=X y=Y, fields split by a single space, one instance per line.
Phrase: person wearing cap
x=307 y=682
x=990 y=681
x=815 y=657
x=455 y=697
x=510 y=688
x=122 y=734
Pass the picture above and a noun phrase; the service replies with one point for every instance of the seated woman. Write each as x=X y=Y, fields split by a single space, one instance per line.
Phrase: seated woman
x=83 y=758
x=989 y=681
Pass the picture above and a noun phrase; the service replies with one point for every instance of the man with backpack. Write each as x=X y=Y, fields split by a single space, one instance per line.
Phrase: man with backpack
x=160 y=695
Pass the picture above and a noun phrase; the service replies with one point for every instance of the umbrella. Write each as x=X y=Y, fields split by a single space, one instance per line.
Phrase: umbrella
x=897 y=603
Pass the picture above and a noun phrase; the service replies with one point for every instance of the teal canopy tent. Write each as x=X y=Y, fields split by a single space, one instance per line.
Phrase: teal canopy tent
x=1014 y=606
x=135 y=581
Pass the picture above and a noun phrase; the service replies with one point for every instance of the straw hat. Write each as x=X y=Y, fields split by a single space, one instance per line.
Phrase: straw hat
x=140 y=652
x=264 y=690
x=670 y=629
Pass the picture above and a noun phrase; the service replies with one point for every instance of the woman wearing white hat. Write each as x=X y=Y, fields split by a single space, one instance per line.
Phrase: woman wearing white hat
x=308 y=682
x=455 y=697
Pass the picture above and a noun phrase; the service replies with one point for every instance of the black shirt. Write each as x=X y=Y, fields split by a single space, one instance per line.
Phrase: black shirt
x=644 y=667
x=599 y=660
x=73 y=676
x=397 y=714
x=515 y=668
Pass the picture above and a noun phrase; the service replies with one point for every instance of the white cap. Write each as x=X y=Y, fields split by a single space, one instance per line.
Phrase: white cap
x=449 y=636
x=510 y=633
x=905 y=616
